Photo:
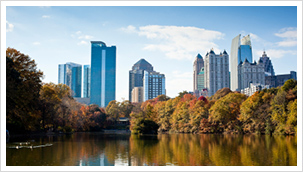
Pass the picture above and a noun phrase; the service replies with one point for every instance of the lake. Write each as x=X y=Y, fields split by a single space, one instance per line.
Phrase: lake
x=99 y=149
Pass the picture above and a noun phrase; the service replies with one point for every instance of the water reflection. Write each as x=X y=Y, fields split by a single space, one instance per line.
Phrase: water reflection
x=96 y=149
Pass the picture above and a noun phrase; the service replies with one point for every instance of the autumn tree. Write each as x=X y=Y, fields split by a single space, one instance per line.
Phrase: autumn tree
x=23 y=86
x=226 y=111
x=255 y=113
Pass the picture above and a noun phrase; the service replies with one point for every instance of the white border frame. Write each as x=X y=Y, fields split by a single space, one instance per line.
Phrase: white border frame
x=152 y=3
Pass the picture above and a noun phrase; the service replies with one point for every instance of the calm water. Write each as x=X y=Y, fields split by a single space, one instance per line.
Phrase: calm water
x=96 y=149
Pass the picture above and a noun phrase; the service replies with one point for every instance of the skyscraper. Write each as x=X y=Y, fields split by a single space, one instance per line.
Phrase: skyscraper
x=86 y=81
x=200 y=80
x=136 y=75
x=103 y=73
x=153 y=85
x=216 y=71
x=268 y=67
x=240 y=50
x=198 y=64
x=70 y=74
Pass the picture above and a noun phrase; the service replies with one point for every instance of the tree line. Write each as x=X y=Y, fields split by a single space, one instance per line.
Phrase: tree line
x=35 y=106
x=270 y=111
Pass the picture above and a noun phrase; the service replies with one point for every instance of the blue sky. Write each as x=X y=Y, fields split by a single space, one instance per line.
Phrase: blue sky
x=167 y=37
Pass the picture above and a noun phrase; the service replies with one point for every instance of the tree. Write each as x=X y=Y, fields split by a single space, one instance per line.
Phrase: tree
x=226 y=110
x=113 y=110
x=181 y=94
x=255 y=113
x=220 y=93
x=23 y=94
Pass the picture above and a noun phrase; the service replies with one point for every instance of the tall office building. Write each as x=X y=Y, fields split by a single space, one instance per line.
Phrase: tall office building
x=200 y=79
x=137 y=94
x=268 y=67
x=103 y=73
x=86 y=81
x=198 y=64
x=240 y=50
x=216 y=71
x=153 y=85
x=136 y=75
x=70 y=74
x=250 y=73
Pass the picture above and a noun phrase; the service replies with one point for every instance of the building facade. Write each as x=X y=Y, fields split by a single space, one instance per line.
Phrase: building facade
x=279 y=80
x=250 y=73
x=241 y=49
x=136 y=75
x=103 y=73
x=253 y=88
x=86 y=81
x=198 y=64
x=216 y=71
x=200 y=79
x=153 y=85
x=268 y=67
x=70 y=74
x=137 y=95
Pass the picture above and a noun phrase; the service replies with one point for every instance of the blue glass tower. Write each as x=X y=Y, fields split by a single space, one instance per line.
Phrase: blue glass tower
x=240 y=50
x=103 y=73
x=86 y=81
x=70 y=74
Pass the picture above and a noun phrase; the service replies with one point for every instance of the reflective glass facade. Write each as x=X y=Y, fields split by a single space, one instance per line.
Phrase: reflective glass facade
x=153 y=85
x=245 y=52
x=86 y=81
x=71 y=75
x=136 y=75
x=240 y=50
x=200 y=80
x=103 y=73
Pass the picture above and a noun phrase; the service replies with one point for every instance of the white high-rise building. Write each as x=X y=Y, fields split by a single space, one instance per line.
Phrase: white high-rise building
x=216 y=71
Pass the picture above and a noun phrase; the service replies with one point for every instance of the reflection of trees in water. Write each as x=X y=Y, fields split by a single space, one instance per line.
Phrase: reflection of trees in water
x=164 y=149
x=222 y=150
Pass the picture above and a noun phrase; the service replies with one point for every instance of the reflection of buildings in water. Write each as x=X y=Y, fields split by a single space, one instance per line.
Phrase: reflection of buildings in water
x=120 y=161
x=100 y=160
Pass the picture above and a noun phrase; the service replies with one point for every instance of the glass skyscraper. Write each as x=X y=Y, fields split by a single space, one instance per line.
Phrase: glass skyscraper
x=103 y=73
x=86 y=81
x=136 y=75
x=70 y=74
x=153 y=85
x=240 y=50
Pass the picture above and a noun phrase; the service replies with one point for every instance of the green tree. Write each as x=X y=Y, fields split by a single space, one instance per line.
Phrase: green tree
x=220 y=93
x=113 y=110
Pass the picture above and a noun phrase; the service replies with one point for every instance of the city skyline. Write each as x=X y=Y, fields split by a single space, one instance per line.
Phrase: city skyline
x=173 y=36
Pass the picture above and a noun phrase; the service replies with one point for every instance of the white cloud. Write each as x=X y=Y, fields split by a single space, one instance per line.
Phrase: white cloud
x=82 y=43
x=78 y=32
x=177 y=42
x=129 y=29
x=85 y=37
x=287 y=43
x=45 y=17
x=289 y=36
x=9 y=27
x=276 y=53
x=36 y=43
